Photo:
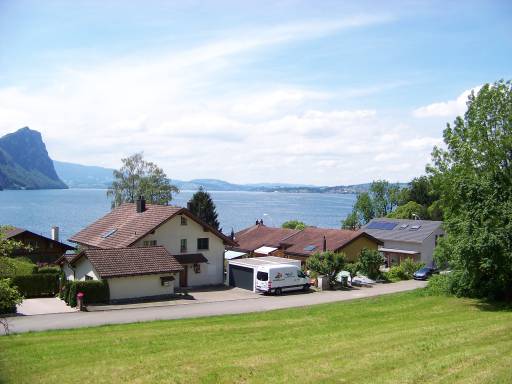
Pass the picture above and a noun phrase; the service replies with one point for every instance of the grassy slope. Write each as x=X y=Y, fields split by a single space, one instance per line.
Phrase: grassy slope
x=405 y=338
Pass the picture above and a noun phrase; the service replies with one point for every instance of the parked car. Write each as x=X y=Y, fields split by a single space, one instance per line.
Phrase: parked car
x=279 y=278
x=424 y=273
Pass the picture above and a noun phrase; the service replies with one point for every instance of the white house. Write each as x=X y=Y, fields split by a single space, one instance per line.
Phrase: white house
x=403 y=239
x=135 y=272
x=195 y=245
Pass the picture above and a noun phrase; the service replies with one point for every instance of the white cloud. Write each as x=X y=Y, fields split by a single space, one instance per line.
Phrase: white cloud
x=176 y=108
x=450 y=108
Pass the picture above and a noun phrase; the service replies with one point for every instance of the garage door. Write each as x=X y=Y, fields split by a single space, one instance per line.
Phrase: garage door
x=241 y=277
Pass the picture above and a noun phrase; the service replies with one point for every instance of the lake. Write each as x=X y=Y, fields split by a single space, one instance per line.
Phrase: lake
x=73 y=209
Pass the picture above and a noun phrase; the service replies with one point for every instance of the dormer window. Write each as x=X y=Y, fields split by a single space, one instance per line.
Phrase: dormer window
x=184 y=220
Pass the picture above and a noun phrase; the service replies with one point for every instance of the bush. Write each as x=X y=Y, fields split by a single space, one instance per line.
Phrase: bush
x=37 y=285
x=48 y=269
x=439 y=285
x=370 y=261
x=9 y=297
x=10 y=267
x=404 y=271
x=326 y=263
x=94 y=291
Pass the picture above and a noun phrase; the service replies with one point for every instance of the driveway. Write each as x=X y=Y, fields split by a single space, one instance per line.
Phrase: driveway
x=43 y=306
x=201 y=309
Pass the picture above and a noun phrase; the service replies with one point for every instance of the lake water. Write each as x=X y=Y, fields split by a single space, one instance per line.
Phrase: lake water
x=73 y=209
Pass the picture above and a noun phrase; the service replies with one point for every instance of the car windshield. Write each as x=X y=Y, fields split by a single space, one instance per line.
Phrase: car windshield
x=424 y=270
x=301 y=274
x=262 y=276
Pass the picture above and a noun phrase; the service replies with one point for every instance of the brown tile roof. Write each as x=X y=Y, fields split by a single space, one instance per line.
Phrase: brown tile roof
x=68 y=257
x=191 y=258
x=133 y=261
x=257 y=236
x=15 y=231
x=295 y=241
x=123 y=226
x=311 y=240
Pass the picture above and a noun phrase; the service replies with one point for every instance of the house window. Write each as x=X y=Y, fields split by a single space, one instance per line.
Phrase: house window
x=197 y=268
x=150 y=243
x=183 y=245
x=87 y=277
x=184 y=220
x=203 y=243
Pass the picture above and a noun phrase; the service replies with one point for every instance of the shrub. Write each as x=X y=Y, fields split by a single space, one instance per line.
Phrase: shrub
x=327 y=263
x=370 y=261
x=48 y=269
x=404 y=271
x=439 y=285
x=94 y=291
x=37 y=285
x=396 y=273
x=9 y=297
x=10 y=267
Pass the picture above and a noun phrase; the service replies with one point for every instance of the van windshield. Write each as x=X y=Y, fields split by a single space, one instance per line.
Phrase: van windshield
x=262 y=276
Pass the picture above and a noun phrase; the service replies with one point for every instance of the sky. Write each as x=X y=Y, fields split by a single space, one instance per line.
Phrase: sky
x=312 y=92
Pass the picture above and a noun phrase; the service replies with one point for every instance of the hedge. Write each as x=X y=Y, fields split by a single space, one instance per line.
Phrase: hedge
x=94 y=291
x=37 y=285
x=9 y=297
x=48 y=269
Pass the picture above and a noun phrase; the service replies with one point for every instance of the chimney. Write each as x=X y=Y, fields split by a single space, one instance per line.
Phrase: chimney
x=189 y=205
x=141 y=204
x=325 y=244
x=55 y=233
x=232 y=234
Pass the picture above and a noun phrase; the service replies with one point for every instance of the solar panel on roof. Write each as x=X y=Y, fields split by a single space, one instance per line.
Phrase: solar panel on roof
x=385 y=225
x=310 y=248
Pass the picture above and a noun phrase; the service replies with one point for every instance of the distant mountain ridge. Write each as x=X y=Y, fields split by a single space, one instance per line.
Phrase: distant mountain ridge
x=86 y=176
x=25 y=164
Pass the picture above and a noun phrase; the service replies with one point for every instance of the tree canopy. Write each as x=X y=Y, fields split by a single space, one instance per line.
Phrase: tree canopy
x=293 y=224
x=326 y=263
x=202 y=205
x=138 y=177
x=380 y=200
x=474 y=172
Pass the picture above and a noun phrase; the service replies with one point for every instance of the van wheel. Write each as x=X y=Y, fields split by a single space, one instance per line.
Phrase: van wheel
x=305 y=288
x=278 y=292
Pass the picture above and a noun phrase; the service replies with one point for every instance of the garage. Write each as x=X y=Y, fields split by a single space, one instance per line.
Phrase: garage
x=241 y=277
x=242 y=272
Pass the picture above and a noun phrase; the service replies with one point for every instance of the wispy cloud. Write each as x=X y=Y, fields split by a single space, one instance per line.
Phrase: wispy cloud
x=450 y=108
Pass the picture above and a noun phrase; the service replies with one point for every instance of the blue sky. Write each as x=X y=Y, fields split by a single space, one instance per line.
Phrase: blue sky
x=319 y=92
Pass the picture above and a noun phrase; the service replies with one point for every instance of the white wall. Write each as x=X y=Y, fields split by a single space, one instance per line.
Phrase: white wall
x=169 y=236
x=140 y=286
x=84 y=267
x=68 y=272
x=427 y=252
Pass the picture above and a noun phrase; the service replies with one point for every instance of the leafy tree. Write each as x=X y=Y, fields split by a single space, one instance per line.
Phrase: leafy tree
x=408 y=211
x=202 y=205
x=353 y=268
x=138 y=177
x=370 y=261
x=380 y=200
x=294 y=224
x=7 y=248
x=475 y=179
x=326 y=263
x=422 y=191
x=351 y=222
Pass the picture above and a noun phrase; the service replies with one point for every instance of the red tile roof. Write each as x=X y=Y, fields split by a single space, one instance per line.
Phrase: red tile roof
x=300 y=242
x=133 y=261
x=123 y=226
x=257 y=236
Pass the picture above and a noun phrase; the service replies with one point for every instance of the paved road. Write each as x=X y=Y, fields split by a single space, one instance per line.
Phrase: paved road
x=87 y=319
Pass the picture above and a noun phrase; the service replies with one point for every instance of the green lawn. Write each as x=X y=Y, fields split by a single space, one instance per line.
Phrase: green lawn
x=401 y=338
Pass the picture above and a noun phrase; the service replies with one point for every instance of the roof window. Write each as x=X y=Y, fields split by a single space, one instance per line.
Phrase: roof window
x=310 y=248
x=403 y=226
x=414 y=227
x=108 y=233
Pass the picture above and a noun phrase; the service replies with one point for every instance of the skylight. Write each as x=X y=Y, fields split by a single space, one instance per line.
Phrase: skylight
x=403 y=226
x=414 y=227
x=310 y=248
x=109 y=233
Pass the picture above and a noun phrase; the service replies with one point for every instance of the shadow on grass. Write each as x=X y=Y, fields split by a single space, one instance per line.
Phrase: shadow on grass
x=493 y=306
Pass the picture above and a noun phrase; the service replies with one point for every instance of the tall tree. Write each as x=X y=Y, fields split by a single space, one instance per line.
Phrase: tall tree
x=202 y=205
x=475 y=178
x=138 y=177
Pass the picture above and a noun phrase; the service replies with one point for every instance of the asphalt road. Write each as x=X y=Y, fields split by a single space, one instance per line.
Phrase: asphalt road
x=19 y=324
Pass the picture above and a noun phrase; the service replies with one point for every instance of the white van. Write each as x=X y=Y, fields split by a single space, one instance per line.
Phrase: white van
x=280 y=277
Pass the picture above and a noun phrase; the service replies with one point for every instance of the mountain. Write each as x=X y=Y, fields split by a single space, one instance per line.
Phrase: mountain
x=25 y=164
x=83 y=176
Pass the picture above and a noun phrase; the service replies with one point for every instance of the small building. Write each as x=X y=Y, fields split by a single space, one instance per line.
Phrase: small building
x=131 y=273
x=260 y=240
x=242 y=272
x=42 y=249
x=414 y=239
x=197 y=246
